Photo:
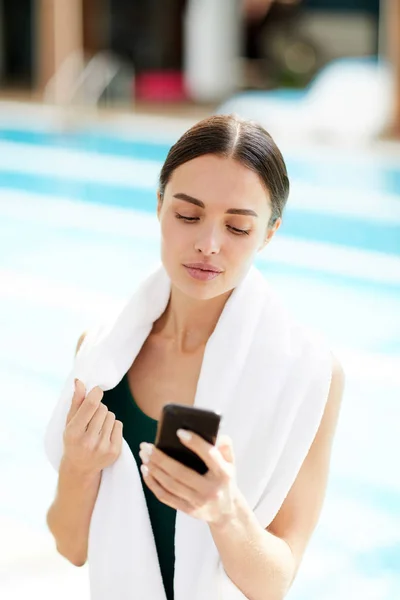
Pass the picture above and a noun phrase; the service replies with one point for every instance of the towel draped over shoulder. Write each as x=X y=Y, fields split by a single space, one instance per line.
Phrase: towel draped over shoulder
x=269 y=377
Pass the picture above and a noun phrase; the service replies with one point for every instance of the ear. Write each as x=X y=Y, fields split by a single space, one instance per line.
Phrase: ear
x=270 y=233
x=159 y=204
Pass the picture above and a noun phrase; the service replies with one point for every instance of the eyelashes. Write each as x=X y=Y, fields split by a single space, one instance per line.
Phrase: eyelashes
x=237 y=231
x=187 y=219
x=234 y=230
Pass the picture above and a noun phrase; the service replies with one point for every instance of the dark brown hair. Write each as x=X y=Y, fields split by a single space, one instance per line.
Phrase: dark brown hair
x=244 y=141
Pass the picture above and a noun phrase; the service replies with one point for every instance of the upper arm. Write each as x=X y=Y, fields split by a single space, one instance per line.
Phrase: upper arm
x=299 y=513
x=80 y=341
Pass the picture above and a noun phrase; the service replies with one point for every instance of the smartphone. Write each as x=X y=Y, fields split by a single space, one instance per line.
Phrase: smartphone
x=178 y=416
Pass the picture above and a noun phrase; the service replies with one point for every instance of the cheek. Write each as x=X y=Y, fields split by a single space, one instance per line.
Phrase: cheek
x=242 y=253
x=175 y=240
x=242 y=248
x=172 y=233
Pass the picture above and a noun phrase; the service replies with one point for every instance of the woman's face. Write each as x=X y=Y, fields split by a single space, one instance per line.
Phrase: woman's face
x=214 y=219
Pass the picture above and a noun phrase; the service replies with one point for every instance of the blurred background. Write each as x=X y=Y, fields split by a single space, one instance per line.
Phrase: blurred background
x=92 y=95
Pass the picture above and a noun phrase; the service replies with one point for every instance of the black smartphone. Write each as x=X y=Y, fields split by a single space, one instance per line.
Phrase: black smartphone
x=178 y=416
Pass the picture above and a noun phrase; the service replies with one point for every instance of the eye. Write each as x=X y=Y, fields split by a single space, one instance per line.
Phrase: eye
x=186 y=219
x=237 y=231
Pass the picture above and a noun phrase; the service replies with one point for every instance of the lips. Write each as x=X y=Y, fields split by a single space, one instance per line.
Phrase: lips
x=203 y=267
x=202 y=271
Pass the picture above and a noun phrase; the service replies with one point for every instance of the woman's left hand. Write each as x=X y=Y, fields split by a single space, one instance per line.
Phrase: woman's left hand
x=210 y=497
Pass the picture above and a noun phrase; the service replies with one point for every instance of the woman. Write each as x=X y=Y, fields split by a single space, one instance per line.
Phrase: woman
x=221 y=195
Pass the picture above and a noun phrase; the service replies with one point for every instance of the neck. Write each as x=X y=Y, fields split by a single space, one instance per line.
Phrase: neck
x=188 y=323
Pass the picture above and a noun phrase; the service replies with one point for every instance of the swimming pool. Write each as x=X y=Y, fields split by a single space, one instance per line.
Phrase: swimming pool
x=78 y=231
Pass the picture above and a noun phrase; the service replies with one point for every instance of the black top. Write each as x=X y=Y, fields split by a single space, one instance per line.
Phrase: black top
x=138 y=428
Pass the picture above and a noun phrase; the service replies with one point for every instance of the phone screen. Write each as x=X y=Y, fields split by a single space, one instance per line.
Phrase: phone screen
x=204 y=423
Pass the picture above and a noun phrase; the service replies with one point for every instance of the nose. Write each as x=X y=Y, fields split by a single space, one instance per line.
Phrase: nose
x=208 y=242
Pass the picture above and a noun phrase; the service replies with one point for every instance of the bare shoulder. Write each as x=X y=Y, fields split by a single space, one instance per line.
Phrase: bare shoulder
x=94 y=333
x=335 y=394
x=338 y=374
x=80 y=342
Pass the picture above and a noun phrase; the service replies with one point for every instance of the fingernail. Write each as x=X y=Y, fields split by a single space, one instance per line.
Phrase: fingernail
x=75 y=382
x=145 y=451
x=144 y=456
x=144 y=470
x=184 y=435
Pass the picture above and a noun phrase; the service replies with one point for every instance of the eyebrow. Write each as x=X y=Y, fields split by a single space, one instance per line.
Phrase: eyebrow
x=230 y=211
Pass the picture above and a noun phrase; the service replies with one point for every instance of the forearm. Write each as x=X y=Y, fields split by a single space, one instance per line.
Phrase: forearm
x=69 y=516
x=260 y=564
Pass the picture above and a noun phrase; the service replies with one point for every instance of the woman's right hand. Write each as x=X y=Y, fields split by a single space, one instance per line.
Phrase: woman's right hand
x=92 y=436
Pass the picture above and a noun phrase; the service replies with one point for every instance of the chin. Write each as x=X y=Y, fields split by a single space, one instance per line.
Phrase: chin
x=200 y=290
x=195 y=289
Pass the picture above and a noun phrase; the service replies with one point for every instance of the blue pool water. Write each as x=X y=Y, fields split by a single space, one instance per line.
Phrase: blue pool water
x=335 y=172
x=73 y=246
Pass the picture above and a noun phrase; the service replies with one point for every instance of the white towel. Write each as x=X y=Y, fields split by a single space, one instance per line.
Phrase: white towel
x=268 y=375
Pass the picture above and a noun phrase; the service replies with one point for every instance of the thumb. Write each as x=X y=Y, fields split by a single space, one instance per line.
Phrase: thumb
x=225 y=446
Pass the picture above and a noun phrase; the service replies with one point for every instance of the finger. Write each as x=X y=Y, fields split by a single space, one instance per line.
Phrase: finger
x=207 y=452
x=116 y=434
x=87 y=409
x=225 y=446
x=163 y=495
x=173 y=486
x=107 y=427
x=77 y=399
x=97 y=421
x=176 y=469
